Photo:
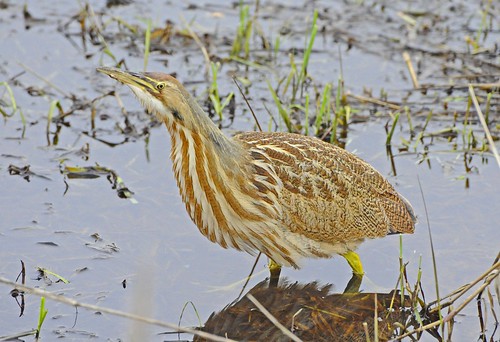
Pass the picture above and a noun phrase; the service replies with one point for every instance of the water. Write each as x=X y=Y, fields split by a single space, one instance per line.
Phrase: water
x=50 y=220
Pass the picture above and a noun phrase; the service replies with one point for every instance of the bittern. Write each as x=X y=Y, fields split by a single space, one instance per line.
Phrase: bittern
x=286 y=195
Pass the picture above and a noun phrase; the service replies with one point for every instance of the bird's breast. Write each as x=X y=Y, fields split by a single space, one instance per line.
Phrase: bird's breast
x=226 y=204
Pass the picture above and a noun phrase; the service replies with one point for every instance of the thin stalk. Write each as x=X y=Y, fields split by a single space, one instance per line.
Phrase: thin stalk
x=200 y=324
x=147 y=44
x=276 y=47
x=248 y=104
x=41 y=317
x=243 y=32
x=307 y=53
x=291 y=75
x=118 y=313
x=410 y=122
x=375 y=319
x=487 y=109
x=325 y=103
x=482 y=26
x=484 y=124
x=401 y=269
x=433 y=254
x=14 y=106
x=393 y=127
x=273 y=319
x=306 y=113
x=339 y=109
x=324 y=108
x=415 y=293
x=283 y=113
x=46 y=271
x=214 y=92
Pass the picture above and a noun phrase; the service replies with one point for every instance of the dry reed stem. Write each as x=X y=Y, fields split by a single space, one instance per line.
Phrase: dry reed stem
x=482 y=86
x=375 y=101
x=463 y=289
x=72 y=302
x=489 y=276
x=491 y=143
x=486 y=283
x=120 y=104
x=199 y=43
x=40 y=77
x=485 y=86
x=273 y=319
x=367 y=333
x=413 y=75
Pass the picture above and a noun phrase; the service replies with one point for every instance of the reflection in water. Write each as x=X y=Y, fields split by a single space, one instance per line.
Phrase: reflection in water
x=312 y=313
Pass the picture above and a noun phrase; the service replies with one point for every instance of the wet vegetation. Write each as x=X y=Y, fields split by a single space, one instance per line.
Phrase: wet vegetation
x=425 y=75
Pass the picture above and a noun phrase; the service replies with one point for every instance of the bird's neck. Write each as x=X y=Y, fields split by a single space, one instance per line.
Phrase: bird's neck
x=207 y=145
x=205 y=167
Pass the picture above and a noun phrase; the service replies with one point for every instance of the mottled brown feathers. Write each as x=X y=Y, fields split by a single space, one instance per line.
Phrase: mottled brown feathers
x=329 y=194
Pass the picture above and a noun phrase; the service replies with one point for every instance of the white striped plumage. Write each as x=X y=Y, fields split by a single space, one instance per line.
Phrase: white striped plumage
x=219 y=217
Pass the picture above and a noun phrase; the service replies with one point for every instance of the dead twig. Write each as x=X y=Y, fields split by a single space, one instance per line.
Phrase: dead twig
x=72 y=302
x=273 y=319
x=491 y=143
x=409 y=64
x=488 y=276
x=375 y=101
x=199 y=43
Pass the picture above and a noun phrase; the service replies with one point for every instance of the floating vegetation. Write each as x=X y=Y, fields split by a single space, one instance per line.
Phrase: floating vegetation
x=90 y=172
x=13 y=105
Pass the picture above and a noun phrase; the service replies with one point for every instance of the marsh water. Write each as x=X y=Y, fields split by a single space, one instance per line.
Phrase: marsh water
x=145 y=255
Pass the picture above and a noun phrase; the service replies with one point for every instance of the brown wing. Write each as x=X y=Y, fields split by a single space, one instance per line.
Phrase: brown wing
x=327 y=193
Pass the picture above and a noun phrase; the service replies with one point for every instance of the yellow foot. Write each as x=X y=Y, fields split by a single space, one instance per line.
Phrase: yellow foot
x=275 y=270
x=354 y=261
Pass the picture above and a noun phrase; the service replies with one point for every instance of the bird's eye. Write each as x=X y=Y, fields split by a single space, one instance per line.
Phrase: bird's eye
x=160 y=86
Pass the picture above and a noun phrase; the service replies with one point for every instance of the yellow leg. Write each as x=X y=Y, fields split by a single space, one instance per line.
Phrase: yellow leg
x=354 y=261
x=275 y=270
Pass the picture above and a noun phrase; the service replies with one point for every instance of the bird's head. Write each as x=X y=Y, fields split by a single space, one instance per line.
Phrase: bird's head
x=164 y=96
x=160 y=94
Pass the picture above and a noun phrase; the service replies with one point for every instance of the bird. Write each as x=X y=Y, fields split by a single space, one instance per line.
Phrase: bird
x=286 y=195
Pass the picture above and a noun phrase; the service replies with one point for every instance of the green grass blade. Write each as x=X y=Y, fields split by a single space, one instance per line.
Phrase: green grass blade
x=46 y=271
x=276 y=47
x=290 y=78
x=200 y=324
x=53 y=105
x=14 y=106
x=283 y=113
x=41 y=317
x=243 y=32
x=433 y=254
x=307 y=54
x=147 y=44
x=248 y=34
x=393 y=127
x=306 y=110
x=325 y=103
x=410 y=123
x=226 y=101
x=401 y=270
x=216 y=104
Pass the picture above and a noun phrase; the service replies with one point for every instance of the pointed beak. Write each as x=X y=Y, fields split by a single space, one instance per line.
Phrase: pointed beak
x=135 y=79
